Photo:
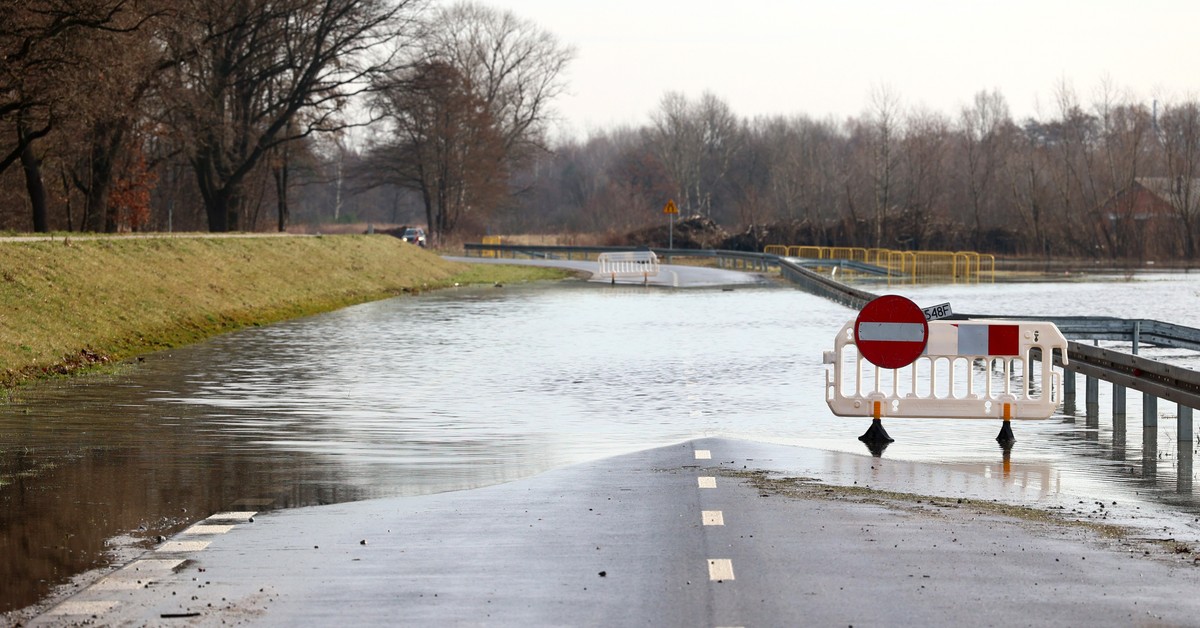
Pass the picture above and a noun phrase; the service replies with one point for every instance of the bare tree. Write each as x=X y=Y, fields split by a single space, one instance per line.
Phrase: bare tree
x=922 y=164
x=247 y=69
x=678 y=144
x=471 y=110
x=982 y=129
x=1180 y=135
x=49 y=49
x=512 y=65
x=885 y=123
x=446 y=147
x=697 y=143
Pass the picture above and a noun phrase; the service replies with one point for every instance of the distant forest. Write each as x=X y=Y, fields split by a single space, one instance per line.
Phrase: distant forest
x=259 y=115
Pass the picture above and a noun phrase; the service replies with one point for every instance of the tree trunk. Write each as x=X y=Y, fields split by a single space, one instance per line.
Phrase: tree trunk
x=33 y=182
x=217 y=208
x=107 y=141
x=281 y=195
x=280 y=173
x=222 y=195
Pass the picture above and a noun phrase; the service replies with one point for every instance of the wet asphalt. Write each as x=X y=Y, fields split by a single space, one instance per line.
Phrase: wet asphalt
x=681 y=535
x=669 y=275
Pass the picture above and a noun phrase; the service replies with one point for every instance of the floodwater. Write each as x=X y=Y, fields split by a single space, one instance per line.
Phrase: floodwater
x=471 y=387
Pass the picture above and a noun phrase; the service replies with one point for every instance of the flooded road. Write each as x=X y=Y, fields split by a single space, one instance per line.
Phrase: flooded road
x=467 y=388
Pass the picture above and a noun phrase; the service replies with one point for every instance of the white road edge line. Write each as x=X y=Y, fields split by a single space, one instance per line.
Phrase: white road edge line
x=183 y=546
x=201 y=528
x=80 y=607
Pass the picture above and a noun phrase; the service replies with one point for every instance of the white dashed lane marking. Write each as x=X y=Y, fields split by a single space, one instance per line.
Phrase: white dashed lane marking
x=712 y=517
x=707 y=482
x=720 y=569
x=703 y=454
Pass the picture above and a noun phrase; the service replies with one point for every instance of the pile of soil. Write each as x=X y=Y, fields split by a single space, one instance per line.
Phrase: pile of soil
x=694 y=232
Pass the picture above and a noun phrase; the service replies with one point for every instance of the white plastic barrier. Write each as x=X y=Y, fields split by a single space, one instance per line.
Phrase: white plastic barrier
x=972 y=369
x=628 y=264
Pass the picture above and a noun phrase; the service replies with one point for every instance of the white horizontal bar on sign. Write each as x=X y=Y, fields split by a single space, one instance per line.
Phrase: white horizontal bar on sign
x=893 y=332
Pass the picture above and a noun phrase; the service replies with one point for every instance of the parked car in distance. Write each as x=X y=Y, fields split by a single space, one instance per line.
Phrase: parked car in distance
x=414 y=235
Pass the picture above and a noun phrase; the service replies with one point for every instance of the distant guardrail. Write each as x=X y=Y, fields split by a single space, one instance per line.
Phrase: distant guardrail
x=734 y=259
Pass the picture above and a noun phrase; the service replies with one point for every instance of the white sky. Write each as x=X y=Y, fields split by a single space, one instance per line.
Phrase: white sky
x=824 y=57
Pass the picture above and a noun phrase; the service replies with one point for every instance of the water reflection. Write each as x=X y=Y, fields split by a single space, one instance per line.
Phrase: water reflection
x=467 y=388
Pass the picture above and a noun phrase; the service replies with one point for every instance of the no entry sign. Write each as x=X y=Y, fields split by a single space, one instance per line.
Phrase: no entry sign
x=891 y=332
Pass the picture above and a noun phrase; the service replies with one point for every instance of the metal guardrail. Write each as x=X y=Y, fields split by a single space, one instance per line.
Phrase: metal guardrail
x=1136 y=331
x=757 y=261
x=1151 y=377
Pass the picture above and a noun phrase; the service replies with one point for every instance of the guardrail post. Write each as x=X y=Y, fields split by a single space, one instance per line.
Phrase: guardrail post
x=1091 y=400
x=1149 y=410
x=1119 y=437
x=1149 y=454
x=1183 y=473
x=1068 y=391
x=1118 y=402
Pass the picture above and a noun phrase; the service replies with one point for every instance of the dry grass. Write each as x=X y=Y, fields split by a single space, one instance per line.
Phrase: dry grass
x=66 y=306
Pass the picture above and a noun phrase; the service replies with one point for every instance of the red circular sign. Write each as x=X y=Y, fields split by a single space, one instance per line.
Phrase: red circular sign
x=891 y=331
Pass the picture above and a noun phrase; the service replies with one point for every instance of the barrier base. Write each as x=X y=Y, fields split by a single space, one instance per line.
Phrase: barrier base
x=1006 y=434
x=876 y=433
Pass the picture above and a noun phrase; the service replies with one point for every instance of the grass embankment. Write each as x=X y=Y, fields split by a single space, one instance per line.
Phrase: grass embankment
x=76 y=303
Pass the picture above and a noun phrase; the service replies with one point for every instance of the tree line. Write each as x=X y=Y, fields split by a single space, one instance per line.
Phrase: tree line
x=257 y=114
x=210 y=114
x=1112 y=178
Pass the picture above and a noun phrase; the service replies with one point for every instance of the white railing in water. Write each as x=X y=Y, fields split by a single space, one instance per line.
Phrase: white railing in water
x=628 y=265
x=972 y=369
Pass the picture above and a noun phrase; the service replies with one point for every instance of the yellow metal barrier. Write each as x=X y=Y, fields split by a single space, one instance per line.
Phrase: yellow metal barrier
x=846 y=252
x=913 y=266
x=776 y=249
x=813 y=252
x=491 y=240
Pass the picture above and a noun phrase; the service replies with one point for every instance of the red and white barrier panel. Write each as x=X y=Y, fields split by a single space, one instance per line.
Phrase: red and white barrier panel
x=972 y=369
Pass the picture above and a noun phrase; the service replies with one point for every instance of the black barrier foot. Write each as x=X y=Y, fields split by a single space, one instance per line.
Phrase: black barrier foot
x=876 y=433
x=1006 y=435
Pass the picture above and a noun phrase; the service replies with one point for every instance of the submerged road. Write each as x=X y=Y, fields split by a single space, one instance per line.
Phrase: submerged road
x=690 y=535
x=669 y=275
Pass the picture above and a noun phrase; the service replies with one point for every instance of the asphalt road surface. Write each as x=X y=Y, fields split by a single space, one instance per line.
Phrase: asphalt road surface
x=669 y=275
x=684 y=535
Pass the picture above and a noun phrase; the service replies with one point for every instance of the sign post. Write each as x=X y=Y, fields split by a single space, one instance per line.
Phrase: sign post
x=670 y=210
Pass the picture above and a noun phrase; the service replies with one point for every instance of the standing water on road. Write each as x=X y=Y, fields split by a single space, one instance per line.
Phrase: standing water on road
x=471 y=387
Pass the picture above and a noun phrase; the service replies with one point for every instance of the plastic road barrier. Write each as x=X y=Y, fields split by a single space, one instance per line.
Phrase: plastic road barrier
x=628 y=264
x=971 y=369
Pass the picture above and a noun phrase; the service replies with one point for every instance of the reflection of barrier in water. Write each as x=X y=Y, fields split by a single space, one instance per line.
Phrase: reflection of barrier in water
x=974 y=369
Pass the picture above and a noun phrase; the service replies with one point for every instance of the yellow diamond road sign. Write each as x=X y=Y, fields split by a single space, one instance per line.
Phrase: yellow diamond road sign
x=671 y=208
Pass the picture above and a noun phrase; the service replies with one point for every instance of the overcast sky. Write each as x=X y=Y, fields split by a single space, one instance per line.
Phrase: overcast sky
x=824 y=57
